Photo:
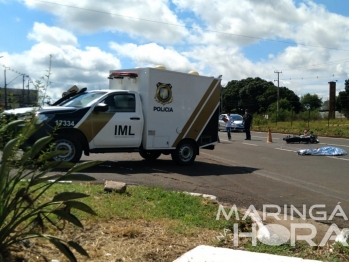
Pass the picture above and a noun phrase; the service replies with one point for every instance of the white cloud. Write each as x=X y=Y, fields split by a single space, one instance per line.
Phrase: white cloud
x=144 y=20
x=69 y=64
x=153 y=54
x=212 y=37
x=240 y=22
x=52 y=35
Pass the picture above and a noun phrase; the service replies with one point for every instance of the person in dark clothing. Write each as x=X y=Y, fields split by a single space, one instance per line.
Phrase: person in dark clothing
x=247 y=121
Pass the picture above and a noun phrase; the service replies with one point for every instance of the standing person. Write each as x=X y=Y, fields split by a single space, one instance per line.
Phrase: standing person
x=227 y=119
x=247 y=121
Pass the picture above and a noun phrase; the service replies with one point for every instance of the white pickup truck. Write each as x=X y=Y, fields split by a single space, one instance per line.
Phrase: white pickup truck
x=146 y=110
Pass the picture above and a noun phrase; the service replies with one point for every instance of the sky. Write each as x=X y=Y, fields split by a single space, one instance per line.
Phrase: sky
x=81 y=41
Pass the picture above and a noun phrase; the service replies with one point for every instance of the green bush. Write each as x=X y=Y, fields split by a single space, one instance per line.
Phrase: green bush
x=24 y=211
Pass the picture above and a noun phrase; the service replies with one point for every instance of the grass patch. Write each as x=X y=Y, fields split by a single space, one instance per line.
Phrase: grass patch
x=137 y=224
x=146 y=203
x=336 y=128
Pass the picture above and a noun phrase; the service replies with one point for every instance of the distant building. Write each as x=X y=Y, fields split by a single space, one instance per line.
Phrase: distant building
x=18 y=97
x=324 y=112
x=337 y=115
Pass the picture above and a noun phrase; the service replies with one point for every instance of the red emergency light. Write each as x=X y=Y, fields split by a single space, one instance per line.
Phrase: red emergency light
x=122 y=75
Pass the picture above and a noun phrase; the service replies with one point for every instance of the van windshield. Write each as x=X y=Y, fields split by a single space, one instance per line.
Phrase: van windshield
x=236 y=117
x=83 y=100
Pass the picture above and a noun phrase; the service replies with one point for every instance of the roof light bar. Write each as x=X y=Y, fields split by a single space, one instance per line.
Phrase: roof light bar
x=122 y=75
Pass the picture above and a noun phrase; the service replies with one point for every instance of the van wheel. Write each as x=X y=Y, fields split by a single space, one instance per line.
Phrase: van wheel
x=184 y=154
x=69 y=144
x=149 y=155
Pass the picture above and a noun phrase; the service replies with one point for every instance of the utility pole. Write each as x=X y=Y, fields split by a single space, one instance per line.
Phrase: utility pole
x=0 y=88
x=277 y=102
x=28 y=94
x=5 y=88
x=22 y=102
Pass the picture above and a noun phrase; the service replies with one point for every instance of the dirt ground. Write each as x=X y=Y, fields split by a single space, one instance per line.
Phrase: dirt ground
x=119 y=240
x=122 y=240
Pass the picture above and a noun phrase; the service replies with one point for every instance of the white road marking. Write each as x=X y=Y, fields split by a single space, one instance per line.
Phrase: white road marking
x=265 y=137
x=338 y=158
x=283 y=149
x=289 y=150
x=334 y=144
x=333 y=137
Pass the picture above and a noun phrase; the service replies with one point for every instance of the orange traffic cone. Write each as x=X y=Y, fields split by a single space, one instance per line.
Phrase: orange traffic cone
x=269 y=139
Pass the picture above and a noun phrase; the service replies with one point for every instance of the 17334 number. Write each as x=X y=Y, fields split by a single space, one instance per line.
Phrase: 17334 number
x=64 y=123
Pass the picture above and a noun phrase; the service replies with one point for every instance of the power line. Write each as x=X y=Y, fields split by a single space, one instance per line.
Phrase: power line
x=218 y=32
x=327 y=63
x=184 y=26
x=306 y=78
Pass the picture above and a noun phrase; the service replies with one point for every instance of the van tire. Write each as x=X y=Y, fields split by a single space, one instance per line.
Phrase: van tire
x=150 y=155
x=184 y=154
x=72 y=145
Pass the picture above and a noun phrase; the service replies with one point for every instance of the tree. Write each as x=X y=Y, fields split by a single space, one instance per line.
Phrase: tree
x=326 y=105
x=284 y=104
x=292 y=98
x=311 y=100
x=342 y=101
x=255 y=94
x=247 y=93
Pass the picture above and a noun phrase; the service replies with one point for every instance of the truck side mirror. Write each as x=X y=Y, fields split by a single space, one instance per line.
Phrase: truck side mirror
x=101 y=107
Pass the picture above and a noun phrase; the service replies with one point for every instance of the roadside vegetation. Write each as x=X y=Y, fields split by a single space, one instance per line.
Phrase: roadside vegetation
x=320 y=127
x=46 y=216
x=152 y=224
x=25 y=213
x=295 y=114
x=281 y=110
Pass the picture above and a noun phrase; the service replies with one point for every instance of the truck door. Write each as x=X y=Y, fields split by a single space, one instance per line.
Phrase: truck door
x=121 y=125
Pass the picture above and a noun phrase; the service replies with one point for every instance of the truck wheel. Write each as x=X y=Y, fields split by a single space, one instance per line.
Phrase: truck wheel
x=184 y=154
x=73 y=147
x=149 y=154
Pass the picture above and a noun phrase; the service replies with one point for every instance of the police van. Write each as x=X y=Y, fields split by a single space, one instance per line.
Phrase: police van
x=152 y=111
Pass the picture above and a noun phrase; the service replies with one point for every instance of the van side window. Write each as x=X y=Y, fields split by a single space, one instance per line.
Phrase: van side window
x=121 y=103
x=111 y=103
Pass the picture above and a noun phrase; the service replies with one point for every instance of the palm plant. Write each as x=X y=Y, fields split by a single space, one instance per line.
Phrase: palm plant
x=25 y=212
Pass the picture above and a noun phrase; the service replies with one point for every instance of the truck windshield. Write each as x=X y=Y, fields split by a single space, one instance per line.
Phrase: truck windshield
x=83 y=100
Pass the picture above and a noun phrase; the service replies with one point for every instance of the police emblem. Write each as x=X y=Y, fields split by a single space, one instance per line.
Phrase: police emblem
x=163 y=93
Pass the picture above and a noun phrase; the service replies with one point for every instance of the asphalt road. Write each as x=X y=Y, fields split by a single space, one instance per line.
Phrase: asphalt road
x=246 y=173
